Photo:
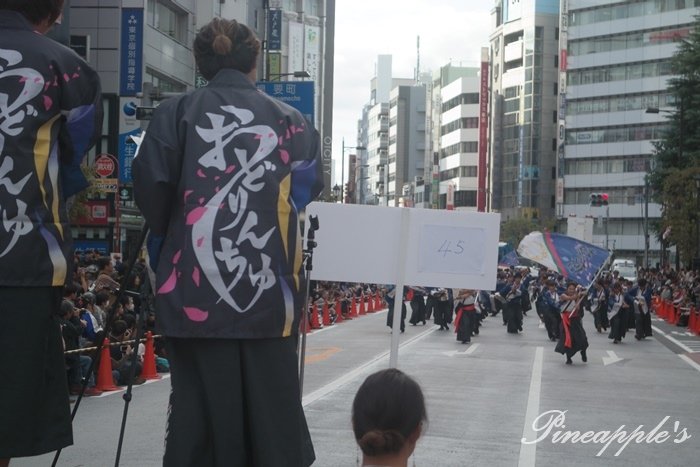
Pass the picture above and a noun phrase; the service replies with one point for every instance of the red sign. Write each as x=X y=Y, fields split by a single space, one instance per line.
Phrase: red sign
x=96 y=213
x=104 y=165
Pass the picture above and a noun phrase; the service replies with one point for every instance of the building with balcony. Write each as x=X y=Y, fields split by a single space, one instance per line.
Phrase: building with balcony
x=456 y=142
x=407 y=143
x=523 y=107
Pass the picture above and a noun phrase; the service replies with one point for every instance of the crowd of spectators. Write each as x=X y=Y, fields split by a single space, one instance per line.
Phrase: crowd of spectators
x=89 y=302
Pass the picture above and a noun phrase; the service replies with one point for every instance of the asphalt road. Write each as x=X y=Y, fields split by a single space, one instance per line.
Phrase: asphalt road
x=482 y=399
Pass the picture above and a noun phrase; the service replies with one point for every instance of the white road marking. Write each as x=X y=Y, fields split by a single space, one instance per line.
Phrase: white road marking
x=469 y=351
x=611 y=358
x=690 y=361
x=673 y=339
x=352 y=374
x=528 y=452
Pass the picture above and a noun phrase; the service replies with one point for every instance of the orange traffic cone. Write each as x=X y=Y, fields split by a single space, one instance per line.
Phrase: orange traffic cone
x=353 y=308
x=105 y=382
x=379 y=302
x=326 y=315
x=314 y=317
x=370 y=303
x=149 y=359
x=363 y=310
x=338 y=312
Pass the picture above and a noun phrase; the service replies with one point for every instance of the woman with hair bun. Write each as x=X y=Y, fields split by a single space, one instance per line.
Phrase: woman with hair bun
x=387 y=418
x=221 y=177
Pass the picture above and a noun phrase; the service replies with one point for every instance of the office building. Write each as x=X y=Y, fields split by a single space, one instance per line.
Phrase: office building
x=618 y=65
x=523 y=108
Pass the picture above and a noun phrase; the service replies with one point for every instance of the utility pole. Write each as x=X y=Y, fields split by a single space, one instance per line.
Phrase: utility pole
x=646 y=222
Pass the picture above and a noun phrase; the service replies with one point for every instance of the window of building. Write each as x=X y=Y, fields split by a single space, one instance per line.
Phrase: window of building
x=167 y=18
x=625 y=41
x=164 y=83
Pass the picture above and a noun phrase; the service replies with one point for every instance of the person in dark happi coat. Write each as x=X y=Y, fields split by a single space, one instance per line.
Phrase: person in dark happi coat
x=442 y=313
x=417 y=306
x=598 y=298
x=221 y=177
x=50 y=117
x=641 y=296
x=572 y=336
x=513 y=308
x=466 y=321
x=617 y=306
x=390 y=298
x=552 y=317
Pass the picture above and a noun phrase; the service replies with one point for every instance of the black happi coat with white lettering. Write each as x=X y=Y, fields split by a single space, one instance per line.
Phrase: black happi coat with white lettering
x=222 y=174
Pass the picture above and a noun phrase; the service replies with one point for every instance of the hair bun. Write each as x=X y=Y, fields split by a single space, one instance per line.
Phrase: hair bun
x=221 y=45
x=378 y=442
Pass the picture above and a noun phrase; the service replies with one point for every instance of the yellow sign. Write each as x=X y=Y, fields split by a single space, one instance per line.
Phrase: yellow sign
x=274 y=62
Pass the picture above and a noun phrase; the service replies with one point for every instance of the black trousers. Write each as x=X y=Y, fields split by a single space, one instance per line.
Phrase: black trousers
x=642 y=323
x=235 y=402
x=34 y=406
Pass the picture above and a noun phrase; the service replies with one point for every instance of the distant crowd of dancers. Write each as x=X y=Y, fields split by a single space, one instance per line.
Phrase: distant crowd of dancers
x=617 y=305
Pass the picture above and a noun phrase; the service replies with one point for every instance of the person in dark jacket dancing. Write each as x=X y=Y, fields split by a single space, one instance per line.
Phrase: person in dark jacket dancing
x=221 y=177
x=572 y=336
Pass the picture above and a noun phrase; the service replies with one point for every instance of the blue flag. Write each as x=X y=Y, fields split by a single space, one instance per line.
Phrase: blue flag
x=510 y=260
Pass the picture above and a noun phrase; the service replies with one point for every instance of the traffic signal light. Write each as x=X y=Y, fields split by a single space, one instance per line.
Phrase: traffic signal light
x=599 y=199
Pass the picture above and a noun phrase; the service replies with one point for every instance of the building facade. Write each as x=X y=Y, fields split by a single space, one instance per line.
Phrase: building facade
x=523 y=107
x=137 y=45
x=618 y=65
x=456 y=110
x=407 y=143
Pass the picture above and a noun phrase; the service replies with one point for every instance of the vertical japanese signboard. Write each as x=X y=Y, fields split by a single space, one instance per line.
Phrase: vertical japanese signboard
x=483 y=129
x=274 y=25
x=295 y=61
x=131 y=52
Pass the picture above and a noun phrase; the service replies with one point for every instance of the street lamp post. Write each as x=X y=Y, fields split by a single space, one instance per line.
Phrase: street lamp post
x=342 y=163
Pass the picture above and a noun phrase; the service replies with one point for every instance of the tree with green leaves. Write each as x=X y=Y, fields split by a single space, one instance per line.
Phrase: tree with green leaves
x=676 y=157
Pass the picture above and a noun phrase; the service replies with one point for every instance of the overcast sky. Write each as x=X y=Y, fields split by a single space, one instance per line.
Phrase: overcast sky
x=449 y=30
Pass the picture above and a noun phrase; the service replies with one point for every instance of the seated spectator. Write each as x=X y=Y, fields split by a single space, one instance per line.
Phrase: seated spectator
x=77 y=364
x=101 y=304
x=122 y=356
x=387 y=418
x=92 y=332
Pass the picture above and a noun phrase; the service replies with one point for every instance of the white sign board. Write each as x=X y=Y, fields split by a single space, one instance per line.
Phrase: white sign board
x=438 y=248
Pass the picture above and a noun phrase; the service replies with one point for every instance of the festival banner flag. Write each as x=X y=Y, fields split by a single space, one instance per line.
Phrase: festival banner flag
x=509 y=260
x=575 y=260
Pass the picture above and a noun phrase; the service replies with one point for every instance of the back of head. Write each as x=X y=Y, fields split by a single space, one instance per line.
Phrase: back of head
x=387 y=409
x=224 y=43
x=35 y=11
